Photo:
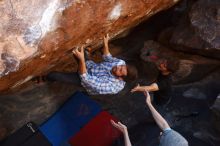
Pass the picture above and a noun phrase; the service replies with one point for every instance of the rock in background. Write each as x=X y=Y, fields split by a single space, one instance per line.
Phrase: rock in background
x=197 y=30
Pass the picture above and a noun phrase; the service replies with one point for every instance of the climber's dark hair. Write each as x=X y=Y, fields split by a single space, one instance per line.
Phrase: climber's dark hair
x=172 y=64
x=132 y=72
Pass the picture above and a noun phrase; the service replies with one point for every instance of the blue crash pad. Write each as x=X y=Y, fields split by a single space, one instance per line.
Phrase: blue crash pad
x=76 y=112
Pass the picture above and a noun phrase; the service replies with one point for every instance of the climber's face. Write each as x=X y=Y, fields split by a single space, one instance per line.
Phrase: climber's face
x=119 y=70
x=162 y=65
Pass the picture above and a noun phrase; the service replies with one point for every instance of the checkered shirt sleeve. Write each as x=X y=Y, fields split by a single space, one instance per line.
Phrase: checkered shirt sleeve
x=95 y=85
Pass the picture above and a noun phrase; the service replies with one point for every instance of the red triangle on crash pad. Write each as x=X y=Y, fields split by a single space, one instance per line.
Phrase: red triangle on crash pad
x=98 y=132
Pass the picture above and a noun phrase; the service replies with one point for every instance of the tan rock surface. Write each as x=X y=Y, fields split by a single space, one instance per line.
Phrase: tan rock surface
x=36 y=36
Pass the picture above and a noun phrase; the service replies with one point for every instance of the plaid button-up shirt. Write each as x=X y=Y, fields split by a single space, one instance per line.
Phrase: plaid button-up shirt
x=99 y=79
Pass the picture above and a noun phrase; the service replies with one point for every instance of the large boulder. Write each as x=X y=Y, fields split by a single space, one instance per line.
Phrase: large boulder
x=35 y=36
x=198 y=30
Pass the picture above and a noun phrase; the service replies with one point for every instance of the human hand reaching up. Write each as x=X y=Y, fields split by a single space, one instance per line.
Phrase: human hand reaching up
x=148 y=98
x=121 y=127
x=79 y=53
x=105 y=39
x=106 y=48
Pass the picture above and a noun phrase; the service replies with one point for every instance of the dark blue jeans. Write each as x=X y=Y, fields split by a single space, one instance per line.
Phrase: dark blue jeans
x=72 y=78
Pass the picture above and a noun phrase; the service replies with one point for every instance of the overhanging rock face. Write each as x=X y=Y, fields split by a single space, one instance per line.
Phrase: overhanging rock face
x=37 y=35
